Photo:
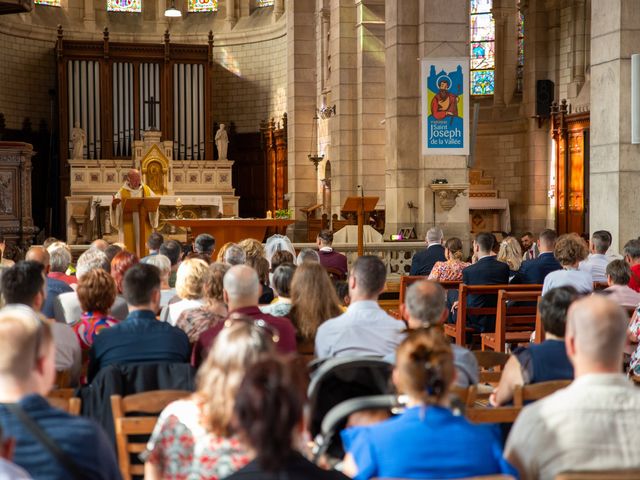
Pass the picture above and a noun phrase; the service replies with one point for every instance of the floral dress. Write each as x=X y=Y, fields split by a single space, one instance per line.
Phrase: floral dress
x=90 y=325
x=183 y=449
x=634 y=328
x=449 y=271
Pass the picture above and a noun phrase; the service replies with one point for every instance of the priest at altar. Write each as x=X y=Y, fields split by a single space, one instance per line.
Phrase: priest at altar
x=129 y=227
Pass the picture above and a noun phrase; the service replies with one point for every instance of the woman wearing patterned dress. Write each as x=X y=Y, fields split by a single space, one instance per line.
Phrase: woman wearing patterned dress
x=451 y=270
x=96 y=293
x=193 y=438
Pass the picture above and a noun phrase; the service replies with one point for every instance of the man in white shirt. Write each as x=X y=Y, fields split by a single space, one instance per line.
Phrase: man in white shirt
x=364 y=329
x=594 y=424
x=596 y=263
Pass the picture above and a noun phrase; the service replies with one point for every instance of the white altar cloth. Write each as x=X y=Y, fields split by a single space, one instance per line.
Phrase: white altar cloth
x=349 y=234
x=166 y=200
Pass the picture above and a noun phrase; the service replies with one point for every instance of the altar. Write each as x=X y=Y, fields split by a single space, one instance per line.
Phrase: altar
x=188 y=189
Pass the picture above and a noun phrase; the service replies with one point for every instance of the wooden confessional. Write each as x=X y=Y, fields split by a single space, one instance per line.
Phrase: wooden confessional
x=571 y=143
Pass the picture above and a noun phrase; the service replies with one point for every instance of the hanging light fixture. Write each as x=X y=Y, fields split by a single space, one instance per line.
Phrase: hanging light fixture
x=172 y=11
x=314 y=155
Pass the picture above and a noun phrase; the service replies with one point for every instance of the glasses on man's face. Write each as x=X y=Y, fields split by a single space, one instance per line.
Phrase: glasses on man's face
x=258 y=324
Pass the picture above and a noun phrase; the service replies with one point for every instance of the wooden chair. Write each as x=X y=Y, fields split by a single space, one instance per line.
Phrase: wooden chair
x=536 y=391
x=63 y=379
x=513 y=324
x=491 y=365
x=479 y=412
x=598 y=286
x=459 y=330
x=141 y=403
x=407 y=280
x=64 y=399
x=630 y=474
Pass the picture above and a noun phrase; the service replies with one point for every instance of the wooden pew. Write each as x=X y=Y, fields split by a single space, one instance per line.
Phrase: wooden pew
x=514 y=324
x=459 y=330
x=405 y=282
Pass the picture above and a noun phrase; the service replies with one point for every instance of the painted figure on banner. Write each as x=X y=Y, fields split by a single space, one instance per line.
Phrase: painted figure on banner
x=445 y=96
x=128 y=228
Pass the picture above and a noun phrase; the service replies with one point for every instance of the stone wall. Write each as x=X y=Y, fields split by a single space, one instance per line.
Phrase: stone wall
x=250 y=83
x=27 y=73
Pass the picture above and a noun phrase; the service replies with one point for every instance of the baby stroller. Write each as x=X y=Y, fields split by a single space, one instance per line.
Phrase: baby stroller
x=337 y=380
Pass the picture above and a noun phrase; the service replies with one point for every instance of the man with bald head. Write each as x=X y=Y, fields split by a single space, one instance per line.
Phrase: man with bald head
x=241 y=291
x=425 y=306
x=54 y=287
x=100 y=244
x=594 y=423
x=128 y=226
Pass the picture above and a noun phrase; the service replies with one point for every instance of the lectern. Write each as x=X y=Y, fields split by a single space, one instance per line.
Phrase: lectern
x=360 y=205
x=135 y=212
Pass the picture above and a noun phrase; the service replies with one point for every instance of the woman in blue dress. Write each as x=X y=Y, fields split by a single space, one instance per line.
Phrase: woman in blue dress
x=428 y=440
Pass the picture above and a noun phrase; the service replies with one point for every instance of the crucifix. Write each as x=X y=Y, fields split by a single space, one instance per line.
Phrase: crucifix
x=151 y=103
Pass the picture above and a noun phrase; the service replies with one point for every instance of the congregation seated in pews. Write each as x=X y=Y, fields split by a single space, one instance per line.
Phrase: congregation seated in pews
x=130 y=334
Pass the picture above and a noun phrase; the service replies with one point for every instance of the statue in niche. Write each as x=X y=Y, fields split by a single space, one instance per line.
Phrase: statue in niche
x=154 y=177
x=78 y=140
x=222 y=142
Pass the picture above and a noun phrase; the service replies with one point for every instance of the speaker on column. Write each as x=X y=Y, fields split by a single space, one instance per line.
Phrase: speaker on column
x=544 y=97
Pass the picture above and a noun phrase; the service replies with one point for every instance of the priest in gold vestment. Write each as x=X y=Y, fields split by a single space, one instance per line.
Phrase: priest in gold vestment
x=128 y=229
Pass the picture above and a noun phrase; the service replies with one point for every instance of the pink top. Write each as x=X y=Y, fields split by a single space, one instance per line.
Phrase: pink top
x=449 y=271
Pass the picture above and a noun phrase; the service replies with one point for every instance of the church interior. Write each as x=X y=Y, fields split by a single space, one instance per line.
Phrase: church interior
x=321 y=102
x=320 y=239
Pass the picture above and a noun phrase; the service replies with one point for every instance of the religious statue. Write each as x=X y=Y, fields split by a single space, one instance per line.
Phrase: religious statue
x=132 y=188
x=222 y=142
x=78 y=140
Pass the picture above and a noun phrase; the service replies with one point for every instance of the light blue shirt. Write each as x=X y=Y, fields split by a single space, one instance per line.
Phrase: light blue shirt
x=363 y=330
x=596 y=266
x=577 y=279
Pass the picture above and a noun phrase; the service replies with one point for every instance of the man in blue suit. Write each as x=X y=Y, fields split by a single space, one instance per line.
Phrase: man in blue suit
x=486 y=271
x=422 y=262
x=534 y=271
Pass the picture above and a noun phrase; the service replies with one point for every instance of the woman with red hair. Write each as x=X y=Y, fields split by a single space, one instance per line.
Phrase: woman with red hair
x=122 y=262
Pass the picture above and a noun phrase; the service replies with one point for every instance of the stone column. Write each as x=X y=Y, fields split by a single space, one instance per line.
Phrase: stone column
x=89 y=16
x=342 y=83
x=301 y=105
x=278 y=9
x=370 y=60
x=231 y=13
x=444 y=32
x=614 y=167
x=579 y=48
x=402 y=115
x=500 y=19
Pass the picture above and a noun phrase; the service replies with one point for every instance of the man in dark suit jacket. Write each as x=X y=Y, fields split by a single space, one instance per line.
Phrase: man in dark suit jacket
x=422 y=262
x=140 y=337
x=534 y=271
x=486 y=271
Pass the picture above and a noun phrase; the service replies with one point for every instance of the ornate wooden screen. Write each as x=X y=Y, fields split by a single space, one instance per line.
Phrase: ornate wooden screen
x=274 y=144
x=117 y=90
x=571 y=135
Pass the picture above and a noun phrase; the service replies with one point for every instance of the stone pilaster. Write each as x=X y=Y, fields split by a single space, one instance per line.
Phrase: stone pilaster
x=614 y=168
x=301 y=105
x=402 y=115
x=443 y=32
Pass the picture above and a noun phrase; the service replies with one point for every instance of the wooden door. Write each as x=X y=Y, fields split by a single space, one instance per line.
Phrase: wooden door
x=274 y=145
x=571 y=133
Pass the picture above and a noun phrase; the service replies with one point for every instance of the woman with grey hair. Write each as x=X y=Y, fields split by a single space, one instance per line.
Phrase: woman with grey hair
x=163 y=264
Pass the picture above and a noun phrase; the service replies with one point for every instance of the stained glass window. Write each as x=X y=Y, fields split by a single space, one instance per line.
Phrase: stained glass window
x=483 y=57
x=131 y=6
x=264 y=3
x=203 y=5
x=50 y=3
x=520 y=67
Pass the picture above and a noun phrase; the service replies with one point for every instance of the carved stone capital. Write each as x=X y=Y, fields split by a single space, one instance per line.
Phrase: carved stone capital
x=448 y=193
